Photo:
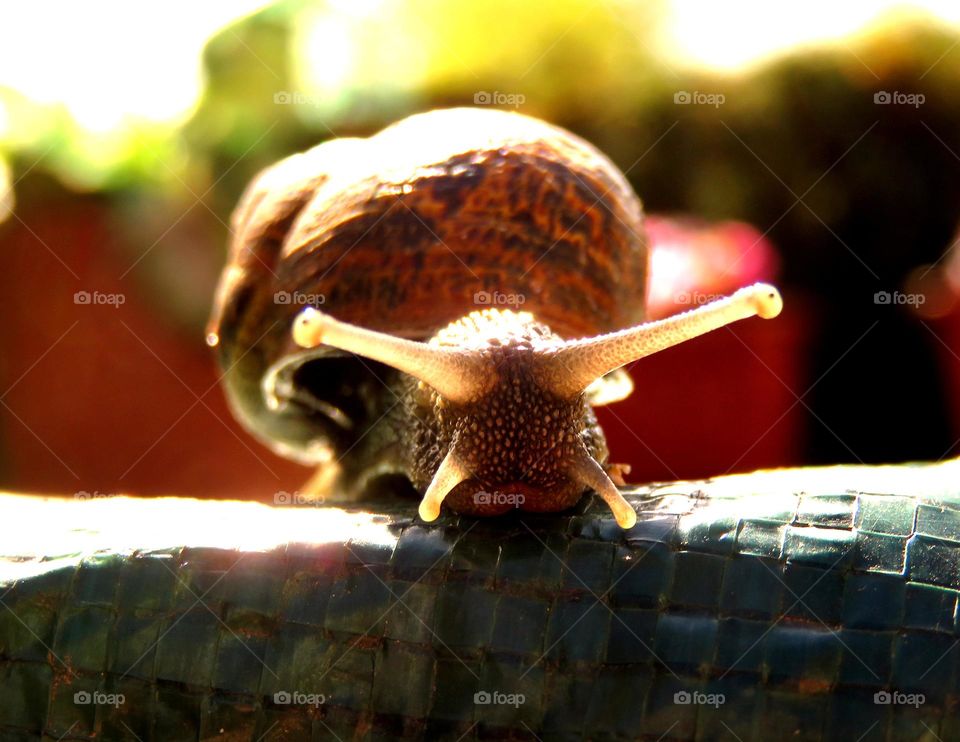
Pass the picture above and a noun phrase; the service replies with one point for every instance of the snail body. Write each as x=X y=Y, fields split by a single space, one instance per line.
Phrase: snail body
x=404 y=304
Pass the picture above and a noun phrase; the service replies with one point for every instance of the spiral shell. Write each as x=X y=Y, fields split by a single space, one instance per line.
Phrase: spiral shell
x=404 y=232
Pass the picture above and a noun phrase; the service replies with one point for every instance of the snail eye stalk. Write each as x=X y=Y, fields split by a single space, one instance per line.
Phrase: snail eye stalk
x=457 y=375
x=568 y=369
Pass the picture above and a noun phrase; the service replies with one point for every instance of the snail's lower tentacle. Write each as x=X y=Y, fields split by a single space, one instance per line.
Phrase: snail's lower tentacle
x=323 y=481
x=584 y=469
x=449 y=474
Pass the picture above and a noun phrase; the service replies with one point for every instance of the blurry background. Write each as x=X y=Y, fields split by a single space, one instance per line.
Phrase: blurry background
x=817 y=145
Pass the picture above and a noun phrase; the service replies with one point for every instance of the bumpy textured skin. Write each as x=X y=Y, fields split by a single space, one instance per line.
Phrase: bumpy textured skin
x=402 y=232
x=797 y=595
x=516 y=440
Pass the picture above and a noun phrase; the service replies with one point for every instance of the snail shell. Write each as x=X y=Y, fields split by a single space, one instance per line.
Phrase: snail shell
x=405 y=232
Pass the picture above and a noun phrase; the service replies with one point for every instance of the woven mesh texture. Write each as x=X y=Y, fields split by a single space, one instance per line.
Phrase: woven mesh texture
x=753 y=616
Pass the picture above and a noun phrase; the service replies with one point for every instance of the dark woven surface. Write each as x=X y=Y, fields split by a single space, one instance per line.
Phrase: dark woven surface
x=795 y=599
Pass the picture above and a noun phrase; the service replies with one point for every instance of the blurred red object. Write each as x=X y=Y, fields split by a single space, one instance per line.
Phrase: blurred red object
x=693 y=262
x=939 y=310
x=725 y=401
x=101 y=398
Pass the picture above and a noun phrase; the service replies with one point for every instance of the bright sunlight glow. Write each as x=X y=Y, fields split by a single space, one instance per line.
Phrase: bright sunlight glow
x=106 y=60
x=74 y=529
x=737 y=33
x=111 y=63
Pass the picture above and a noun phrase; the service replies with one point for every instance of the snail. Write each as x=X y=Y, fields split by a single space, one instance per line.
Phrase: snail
x=446 y=300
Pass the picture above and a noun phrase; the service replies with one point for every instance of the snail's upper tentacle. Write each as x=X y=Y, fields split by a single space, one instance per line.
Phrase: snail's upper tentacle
x=458 y=375
x=569 y=368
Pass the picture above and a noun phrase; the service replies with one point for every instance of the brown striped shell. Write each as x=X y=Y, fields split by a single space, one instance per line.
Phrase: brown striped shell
x=404 y=232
